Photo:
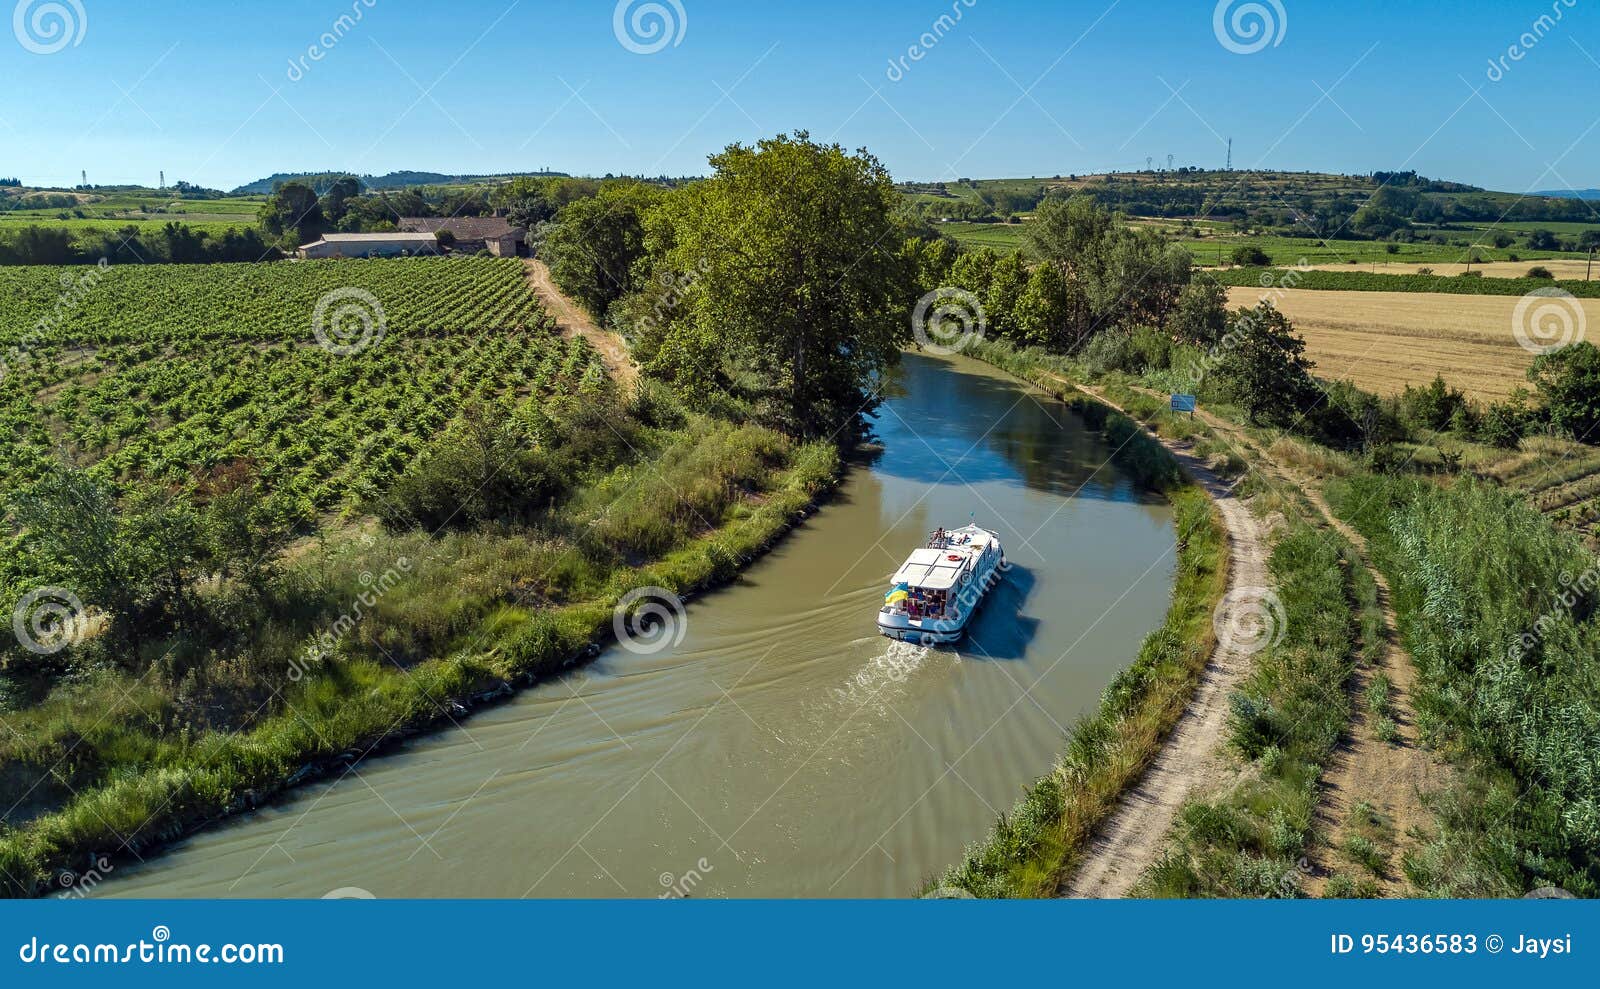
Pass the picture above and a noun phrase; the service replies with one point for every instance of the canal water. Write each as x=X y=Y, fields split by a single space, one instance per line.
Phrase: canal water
x=781 y=748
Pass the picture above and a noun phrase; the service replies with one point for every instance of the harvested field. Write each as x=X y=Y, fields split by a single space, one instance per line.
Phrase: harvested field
x=1384 y=341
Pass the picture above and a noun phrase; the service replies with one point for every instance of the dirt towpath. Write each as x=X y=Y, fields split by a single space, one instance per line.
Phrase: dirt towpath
x=572 y=320
x=1132 y=839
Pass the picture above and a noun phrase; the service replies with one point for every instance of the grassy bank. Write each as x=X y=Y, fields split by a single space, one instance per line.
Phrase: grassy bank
x=1505 y=640
x=118 y=761
x=1033 y=848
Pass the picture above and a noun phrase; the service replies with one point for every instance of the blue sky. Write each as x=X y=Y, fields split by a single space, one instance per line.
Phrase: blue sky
x=206 y=91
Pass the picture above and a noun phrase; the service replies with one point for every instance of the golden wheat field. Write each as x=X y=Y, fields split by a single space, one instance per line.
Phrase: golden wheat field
x=1384 y=341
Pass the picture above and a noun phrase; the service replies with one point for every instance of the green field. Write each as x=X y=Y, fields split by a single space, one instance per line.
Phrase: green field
x=1292 y=250
x=166 y=372
x=1285 y=251
x=1000 y=236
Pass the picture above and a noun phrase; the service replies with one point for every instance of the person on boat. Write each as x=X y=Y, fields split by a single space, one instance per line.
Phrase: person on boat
x=938 y=537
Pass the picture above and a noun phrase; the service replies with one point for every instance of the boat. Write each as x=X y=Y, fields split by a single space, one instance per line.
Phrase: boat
x=934 y=594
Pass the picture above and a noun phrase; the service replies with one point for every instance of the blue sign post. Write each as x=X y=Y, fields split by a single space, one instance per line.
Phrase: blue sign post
x=1184 y=403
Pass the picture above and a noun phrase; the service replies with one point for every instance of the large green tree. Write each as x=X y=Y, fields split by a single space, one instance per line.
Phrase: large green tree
x=292 y=213
x=1263 y=367
x=789 y=254
x=596 y=251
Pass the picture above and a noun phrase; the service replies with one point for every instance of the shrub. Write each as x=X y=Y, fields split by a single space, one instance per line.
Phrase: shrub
x=1568 y=383
x=1539 y=271
x=1111 y=350
x=1250 y=256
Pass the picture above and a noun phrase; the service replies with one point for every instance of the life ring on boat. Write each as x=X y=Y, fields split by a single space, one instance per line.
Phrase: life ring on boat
x=954 y=557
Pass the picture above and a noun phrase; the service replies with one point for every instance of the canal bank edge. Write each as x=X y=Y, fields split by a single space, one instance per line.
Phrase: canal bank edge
x=547 y=645
x=1035 y=850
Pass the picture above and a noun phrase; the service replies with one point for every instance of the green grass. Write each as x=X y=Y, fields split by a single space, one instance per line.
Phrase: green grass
x=1506 y=680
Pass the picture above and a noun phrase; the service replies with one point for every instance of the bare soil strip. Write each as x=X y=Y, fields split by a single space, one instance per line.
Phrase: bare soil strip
x=572 y=320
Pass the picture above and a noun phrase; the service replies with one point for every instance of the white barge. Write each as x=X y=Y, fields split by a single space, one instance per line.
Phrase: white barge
x=935 y=593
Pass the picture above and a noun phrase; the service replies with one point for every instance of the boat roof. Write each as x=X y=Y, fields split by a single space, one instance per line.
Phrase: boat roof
x=931 y=569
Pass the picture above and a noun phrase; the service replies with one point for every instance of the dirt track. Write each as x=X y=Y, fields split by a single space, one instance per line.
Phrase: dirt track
x=1132 y=839
x=572 y=320
x=1388 y=777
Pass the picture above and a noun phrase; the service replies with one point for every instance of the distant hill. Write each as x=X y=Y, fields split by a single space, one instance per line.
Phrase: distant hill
x=394 y=180
x=1571 y=193
x=1373 y=205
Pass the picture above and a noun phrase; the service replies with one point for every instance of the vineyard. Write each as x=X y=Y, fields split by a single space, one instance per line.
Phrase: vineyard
x=82 y=307
x=168 y=373
x=172 y=375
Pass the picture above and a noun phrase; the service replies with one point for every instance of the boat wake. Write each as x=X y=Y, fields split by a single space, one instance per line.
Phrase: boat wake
x=884 y=673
